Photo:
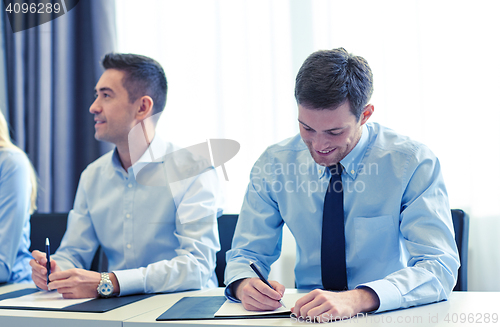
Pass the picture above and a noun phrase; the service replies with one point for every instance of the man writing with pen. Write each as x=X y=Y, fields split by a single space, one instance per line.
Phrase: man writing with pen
x=367 y=207
x=263 y=279
x=156 y=239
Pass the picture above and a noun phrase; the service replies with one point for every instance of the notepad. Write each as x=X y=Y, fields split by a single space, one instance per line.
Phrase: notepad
x=231 y=309
x=41 y=299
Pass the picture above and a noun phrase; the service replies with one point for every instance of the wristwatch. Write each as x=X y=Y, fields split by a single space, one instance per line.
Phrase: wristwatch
x=105 y=287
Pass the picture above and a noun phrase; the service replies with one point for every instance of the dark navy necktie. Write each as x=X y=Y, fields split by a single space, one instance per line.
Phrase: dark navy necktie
x=333 y=267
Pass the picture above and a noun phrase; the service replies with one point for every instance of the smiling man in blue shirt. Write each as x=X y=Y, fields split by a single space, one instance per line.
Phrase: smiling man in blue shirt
x=157 y=238
x=399 y=243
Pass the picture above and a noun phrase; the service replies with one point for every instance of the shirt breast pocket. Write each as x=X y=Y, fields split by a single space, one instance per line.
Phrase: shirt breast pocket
x=376 y=238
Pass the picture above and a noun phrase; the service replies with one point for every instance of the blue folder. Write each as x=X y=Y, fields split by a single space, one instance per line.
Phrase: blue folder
x=96 y=305
x=205 y=307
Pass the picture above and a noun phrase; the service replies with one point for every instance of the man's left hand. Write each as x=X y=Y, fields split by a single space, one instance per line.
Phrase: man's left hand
x=326 y=306
x=75 y=283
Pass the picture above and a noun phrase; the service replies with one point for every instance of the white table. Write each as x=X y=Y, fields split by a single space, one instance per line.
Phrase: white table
x=475 y=304
x=475 y=307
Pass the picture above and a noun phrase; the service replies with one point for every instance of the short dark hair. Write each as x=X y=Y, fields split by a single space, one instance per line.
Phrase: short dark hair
x=143 y=76
x=328 y=78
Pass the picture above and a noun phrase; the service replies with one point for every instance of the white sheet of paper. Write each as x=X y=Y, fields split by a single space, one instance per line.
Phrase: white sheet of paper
x=230 y=308
x=42 y=299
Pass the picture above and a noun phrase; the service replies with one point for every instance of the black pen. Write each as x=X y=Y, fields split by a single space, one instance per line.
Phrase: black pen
x=47 y=253
x=257 y=271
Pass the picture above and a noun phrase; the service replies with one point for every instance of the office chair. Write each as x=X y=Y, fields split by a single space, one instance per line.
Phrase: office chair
x=227 y=224
x=461 y=227
x=53 y=226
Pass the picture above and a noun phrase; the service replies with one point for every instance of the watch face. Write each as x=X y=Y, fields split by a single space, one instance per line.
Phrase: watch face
x=106 y=289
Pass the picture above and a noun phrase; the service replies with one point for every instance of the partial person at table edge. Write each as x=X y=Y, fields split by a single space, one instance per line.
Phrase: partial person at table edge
x=18 y=191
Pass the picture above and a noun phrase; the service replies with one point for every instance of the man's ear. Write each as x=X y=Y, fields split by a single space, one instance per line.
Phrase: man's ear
x=145 y=107
x=367 y=113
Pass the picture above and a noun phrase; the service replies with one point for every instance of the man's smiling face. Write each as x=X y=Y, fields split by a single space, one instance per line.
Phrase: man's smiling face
x=330 y=134
x=114 y=115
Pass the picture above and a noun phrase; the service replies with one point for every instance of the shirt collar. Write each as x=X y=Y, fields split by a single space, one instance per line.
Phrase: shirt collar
x=115 y=160
x=351 y=162
x=156 y=152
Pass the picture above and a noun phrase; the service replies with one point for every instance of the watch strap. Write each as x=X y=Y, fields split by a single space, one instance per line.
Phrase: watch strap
x=104 y=280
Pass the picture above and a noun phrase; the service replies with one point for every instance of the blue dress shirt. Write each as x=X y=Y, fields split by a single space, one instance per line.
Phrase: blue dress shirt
x=157 y=238
x=15 y=201
x=398 y=228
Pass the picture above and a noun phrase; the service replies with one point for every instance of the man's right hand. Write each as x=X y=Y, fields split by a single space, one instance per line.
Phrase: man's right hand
x=255 y=295
x=39 y=269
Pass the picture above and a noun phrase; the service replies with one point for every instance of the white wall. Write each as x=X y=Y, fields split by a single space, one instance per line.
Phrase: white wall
x=232 y=63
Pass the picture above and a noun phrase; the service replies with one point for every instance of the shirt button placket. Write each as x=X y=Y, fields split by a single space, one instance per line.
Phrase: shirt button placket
x=128 y=223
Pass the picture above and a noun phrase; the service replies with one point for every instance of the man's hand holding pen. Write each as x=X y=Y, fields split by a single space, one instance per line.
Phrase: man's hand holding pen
x=255 y=295
x=72 y=283
x=39 y=269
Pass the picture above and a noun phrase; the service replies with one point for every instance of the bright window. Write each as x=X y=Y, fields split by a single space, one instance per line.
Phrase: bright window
x=231 y=67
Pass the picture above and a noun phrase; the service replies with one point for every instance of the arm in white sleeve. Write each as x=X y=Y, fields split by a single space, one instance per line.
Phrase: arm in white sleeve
x=197 y=201
x=427 y=230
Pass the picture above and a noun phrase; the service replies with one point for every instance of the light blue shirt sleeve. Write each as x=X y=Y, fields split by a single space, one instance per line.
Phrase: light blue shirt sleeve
x=15 y=199
x=156 y=238
x=194 y=264
x=398 y=228
x=427 y=234
x=262 y=232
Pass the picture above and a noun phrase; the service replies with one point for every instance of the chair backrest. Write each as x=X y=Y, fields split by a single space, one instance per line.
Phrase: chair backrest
x=53 y=226
x=227 y=224
x=461 y=226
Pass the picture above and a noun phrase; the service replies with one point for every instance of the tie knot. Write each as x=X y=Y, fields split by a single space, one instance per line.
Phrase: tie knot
x=336 y=169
